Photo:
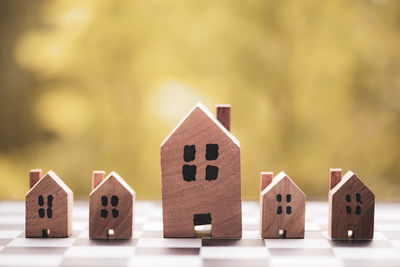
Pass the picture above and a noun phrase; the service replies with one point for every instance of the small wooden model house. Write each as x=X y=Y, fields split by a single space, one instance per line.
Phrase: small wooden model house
x=351 y=207
x=282 y=207
x=200 y=174
x=111 y=207
x=48 y=206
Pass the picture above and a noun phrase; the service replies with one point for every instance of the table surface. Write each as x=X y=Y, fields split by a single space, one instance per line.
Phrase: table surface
x=149 y=248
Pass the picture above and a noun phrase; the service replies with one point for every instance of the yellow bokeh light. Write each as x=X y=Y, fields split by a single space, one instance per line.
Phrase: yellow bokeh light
x=63 y=111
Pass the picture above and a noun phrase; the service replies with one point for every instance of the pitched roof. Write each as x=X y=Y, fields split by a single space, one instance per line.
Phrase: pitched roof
x=201 y=107
x=114 y=175
x=277 y=179
x=52 y=175
x=346 y=178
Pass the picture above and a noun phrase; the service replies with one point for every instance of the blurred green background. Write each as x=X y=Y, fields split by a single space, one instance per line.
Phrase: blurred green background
x=90 y=85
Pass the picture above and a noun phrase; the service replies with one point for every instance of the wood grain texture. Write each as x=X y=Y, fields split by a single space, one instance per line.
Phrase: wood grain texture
x=282 y=208
x=351 y=208
x=111 y=207
x=223 y=114
x=34 y=177
x=220 y=197
x=265 y=179
x=335 y=177
x=48 y=208
x=97 y=178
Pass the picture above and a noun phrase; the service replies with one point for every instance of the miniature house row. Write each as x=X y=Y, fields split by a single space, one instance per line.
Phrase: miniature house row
x=282 y=207
x=201 y=185
x=49 y=207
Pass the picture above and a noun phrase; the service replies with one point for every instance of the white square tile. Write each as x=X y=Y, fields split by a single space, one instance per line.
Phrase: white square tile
x=8 y=207
x=30 y=260
x=141 y=219
x=170 y=242
x=234 y=252
x=356 y=253
x=153 y=226
x=84 y=234
x=312 y=226
x=10 y=233
x=41 y=242
x=100 y=251
x=326 y=234
x=250 y=219
x=388 y=227
x=251 y=235
x=160 y=261
x=396 y=243
x=80 y=225
x=320 y=220
x=379 y=236
x=304 y=261
x=137 y=234
x=12 y=219
x=81 y=214
x=297 y=243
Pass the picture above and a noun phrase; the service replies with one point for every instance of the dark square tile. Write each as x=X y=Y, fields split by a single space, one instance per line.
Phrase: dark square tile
x=371 y=263
x=166 y=251
x=235 y=263
x=12 y=226
x=33 y=250
x=361 y=243
x=95 y=262
x=233 y=242
x=300 y=252
x=392 y=235
x=104 y=242
x=5 y=241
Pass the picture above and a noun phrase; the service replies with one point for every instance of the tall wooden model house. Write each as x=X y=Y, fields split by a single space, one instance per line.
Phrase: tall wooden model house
x=48 y=206
x=282 y=205
x=111 y=207
x=351 y=207
x=200 y=173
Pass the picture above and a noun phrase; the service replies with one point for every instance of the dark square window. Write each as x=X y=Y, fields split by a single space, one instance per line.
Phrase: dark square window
x=279 y=210
x=115 y=213
x=189 y=153
x=211 y=172
x=189 y=173
x=104 y=201
x=358 y=210
x=104 y=213
x=211 y=151
x=202 y=219
x=289 y=210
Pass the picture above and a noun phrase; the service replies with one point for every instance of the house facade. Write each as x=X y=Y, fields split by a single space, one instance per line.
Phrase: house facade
x=201 y=177
x=282 y=207
x=48 y=206
x=351 y=207
x=111 y=207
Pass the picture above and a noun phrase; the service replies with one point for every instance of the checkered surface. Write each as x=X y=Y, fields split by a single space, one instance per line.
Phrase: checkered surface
x=149 y=248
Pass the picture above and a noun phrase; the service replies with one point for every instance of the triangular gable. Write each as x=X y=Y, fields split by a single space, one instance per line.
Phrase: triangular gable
x=201 y=107
x=52 y=175
x=347 y=177
x=119 y=179
x=276 y=180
